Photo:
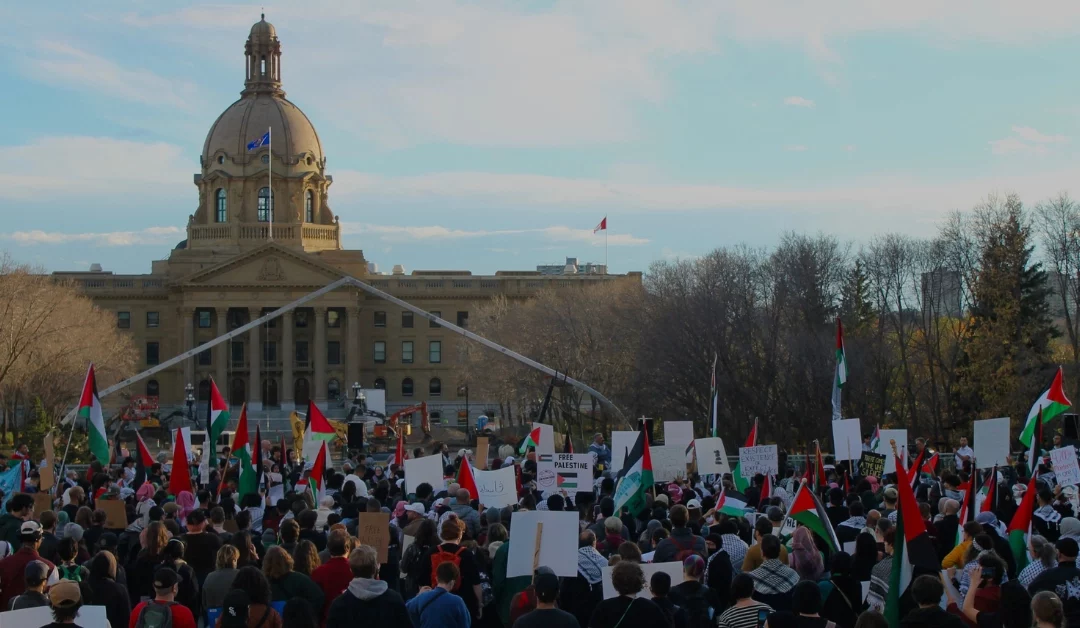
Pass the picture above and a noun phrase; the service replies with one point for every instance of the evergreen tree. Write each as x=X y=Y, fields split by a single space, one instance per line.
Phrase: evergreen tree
x=856 y=303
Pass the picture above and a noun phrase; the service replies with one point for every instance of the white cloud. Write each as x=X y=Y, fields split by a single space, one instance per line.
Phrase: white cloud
x=1031 y=135
x=1025 y=141
x=795 y=148
x=148 y=236
x=798 y=101
x=400 y=234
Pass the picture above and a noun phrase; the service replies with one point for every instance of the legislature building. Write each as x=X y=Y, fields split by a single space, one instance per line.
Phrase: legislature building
x=264 y=234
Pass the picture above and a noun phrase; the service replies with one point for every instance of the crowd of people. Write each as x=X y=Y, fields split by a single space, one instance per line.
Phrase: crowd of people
x=295 y=562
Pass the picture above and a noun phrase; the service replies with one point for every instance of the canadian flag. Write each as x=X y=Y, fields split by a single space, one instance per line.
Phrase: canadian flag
x=602 y=226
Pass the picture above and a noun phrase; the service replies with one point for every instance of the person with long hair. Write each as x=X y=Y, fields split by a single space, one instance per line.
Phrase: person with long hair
x=426 y=538
x=1007 y=607
x=1047 y=610
x=141 y=573
x=866 y=556
x=1043 y=556
x=260 y=614
x=285 y=583
x=305 y=558
x=249 y=556
x=219 y=581
x=105 y=591
x=805 y=558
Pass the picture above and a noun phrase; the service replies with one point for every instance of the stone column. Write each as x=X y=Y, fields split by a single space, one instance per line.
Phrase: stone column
x=352 y=349
x=285 y=391
x=187 y=323
x=318 y=356
x=255 y=368
x=221 y=361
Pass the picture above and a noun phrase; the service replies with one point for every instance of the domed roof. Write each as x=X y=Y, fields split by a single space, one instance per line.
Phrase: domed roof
x=263 y=29
x=291 y=132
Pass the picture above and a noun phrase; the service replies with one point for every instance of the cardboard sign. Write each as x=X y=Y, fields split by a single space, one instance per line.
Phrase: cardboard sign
x=847 y=439
x=871 y=464
x=565 y=472
x=115 y=513
x=711 y=456
x=668 y=462
x=498 y=488
x=678 y=432
x=373 y=529
x=547 y=438
x=761 y=459
x=1066 y=469
x=621 y=443
x=885 y=449
x=42 y=616
x=42 y=502
x=427 y=469
x=550 y=548
x=673 y=569
x=47 y=474
x=482 y=446
x=991 y=442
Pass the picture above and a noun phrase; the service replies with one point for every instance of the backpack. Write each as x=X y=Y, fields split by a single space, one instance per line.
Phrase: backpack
x=441 y=556
x=410 y=562
x=71 y=572
x=155 y=615
x=487 y=593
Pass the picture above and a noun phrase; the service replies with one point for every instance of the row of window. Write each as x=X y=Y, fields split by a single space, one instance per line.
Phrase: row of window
x=123 y=320
x=266 y=205
x=434 y=386
x=236 y=318
x=407 y=319
x=301 y=353
x=300 y=391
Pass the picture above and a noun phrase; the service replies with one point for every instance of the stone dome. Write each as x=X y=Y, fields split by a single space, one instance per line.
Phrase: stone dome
x=263 y=29
x=293 y=137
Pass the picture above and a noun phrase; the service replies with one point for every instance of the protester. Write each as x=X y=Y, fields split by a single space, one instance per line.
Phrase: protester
x=165 y=584
x=260 y=614
x=65 y=600
x=334 y=576
x=746 y=612
x=219 y=581
x=35 y=576
x=627 y=610
x=366 y=595
x=104 y=590
x=13 y=568
x=438 y=607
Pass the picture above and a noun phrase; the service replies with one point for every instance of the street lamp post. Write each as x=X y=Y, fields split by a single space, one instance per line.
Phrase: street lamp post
x=189 y=400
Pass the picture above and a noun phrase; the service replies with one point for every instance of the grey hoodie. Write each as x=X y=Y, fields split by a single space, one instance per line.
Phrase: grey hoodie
x=367 y=589
x=468 y=514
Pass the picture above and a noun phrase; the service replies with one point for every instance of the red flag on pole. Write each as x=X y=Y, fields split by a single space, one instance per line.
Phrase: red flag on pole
x=465 y=478
x=180 y=479
x=602 y=226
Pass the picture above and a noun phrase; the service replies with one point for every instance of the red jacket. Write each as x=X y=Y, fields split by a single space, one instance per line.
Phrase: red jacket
x=181 y=616
x=12 y=571
x=333 y=577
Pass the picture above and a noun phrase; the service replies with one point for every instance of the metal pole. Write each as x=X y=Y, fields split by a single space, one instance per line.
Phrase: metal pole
x=270 y=176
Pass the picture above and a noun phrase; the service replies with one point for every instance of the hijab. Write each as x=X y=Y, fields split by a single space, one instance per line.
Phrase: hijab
x=186 y=501
x=805 y=557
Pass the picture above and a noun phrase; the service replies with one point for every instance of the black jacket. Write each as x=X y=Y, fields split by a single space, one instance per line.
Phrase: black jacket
x=114 y=597
x=932 y=617
x=1065 y=581
x=946 y=535
x=388 y=609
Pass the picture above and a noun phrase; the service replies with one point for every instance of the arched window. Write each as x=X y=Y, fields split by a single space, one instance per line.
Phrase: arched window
x=262 y=66
x=435 y=387
x=333 y=390
x=266 y=204
x=270 y=396
x=380 y=383
x=309 y=206
x=406 y=387
x=152 y=389
x=222 y=205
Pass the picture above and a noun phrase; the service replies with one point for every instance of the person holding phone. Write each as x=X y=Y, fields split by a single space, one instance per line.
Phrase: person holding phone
x=746 y=612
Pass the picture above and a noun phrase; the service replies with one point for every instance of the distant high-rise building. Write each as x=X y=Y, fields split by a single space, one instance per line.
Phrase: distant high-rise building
x=942 y=293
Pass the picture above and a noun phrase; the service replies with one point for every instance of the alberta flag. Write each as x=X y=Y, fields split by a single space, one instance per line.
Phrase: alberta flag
x=532 y=440
x=90 y=411
x=636 y=476
x=1053 y=403
x=241 y=448
x=262 y=141
x=840 y=377
x=808 y=510
x=913 y=552
x=742 y=483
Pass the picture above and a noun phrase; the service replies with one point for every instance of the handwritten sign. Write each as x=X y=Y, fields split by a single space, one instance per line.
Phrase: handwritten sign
x=711 y=456
x=564 y=472
x=497 y=489
x=871 y=464
x=482 y=446
x=547 y=438
x=760 y=459
x=678 y=432
x=884 y=447
x=115 y=513
x=373 y=529
x=668 y=462
x=1066 y=469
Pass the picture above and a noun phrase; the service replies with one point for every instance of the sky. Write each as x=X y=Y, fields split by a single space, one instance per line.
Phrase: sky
x=490 y=136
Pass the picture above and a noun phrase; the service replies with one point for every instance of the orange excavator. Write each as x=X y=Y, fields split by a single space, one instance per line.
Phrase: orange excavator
x=390 y=426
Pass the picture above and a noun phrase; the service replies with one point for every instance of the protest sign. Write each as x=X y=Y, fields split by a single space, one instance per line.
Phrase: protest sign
x=276 y=494
x=991 y=442
x=427 y=469
x=847 y=439
x=760 y=459
x=668 y=462
x=42 y=616
x=497 y=489
x=711 y=456
x=541 y=538
x=547 y=438
x=678 y=432
x=482 y=452
x=564 y=472
x=673 y=569
x=115 y=513
x=621 y=442
x=47 y=474
x=373 y=528
x=885 y=449
x=1066 y=469
x=871 y=464
x=42 y=502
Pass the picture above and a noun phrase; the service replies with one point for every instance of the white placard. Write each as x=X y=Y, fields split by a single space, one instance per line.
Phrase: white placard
x=564 y=472
x=496 y=488
x=673 y=569
x=760 y=459
x=276 y=493
x=556 y=549
x=991 y=442
x=427 y=469
x=678 y=433
x=883 y=447
x=42 y=616
x=668 y=462
x=1066 y=469
x=547 y=439
x=406 y=541
x=621 y=444
x=711 y=456
x=847 y=439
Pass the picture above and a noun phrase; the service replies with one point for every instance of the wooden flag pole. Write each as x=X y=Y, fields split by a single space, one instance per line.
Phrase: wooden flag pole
x=536 y=551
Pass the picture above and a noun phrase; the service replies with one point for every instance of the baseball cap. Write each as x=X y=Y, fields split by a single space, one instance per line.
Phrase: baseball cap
x=418 y=508
x=546 y=585
x=36 y=572
x=30 y=529
x=165 y=578
x=694 y=503
x=234 y=612
x=65 y=594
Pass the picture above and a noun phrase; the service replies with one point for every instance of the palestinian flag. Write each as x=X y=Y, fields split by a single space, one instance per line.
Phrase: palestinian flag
x=714 y=398
x=568 y=481
x=1020 y=526
x=532 y=440
x=317 y=430
x=315 y=480
x=399 y=450
x=731 y=503
x=991 y=492
x=930 y=466
x=875 y=440
x=568 y=444
x=635 y=477
x=257 y=458
x=180 y=477
x=913 y=552
x=90 y=411
x=808 y=510
x=967 y=509
x=1053 y=403
x=466 y=479
x=916 y=468
x=143 y=462
x=840 y=377
x=241 y=448
x=847 y=483
x=742 y=483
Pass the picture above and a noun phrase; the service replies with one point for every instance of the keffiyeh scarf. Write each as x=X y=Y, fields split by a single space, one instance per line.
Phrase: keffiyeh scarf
x=590 y=564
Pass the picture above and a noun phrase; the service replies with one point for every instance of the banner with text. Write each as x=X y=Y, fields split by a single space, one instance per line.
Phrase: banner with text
x=497 y=489
x=564 y=472
x=1066 y=469
x=761 y=459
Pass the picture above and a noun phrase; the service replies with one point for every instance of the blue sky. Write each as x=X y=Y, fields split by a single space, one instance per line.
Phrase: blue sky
x=495 y=135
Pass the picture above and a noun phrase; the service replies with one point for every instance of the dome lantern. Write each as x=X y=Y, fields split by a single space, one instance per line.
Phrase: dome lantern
x=263 y=67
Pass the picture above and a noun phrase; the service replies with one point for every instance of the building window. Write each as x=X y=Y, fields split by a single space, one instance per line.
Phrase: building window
x=333 y=390
x=222 y=205
x=300 y=316
x=204 y=358
x=406 y=387
x=333 y=352
x=333 y=319
x=380 y=319
x=153 y=319
x=435 y=351
x=123 y=320
x=152 y=388
x=380 y=383
x=204 y=319
x=432 y=323
x=462 y=319
x=266 y=204
x=301 y=353
x=152 y=353
x=380 y=351
x=309 y=206
x=272 y=323
x=235 y=318
x=238 y=353
x=406 y=320
x=269 y=353
x=262 y=66
x=301 y=392
x=406 y=351
x=435 y=387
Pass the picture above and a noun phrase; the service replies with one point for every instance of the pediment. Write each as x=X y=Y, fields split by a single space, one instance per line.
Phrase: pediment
x=271 y=265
